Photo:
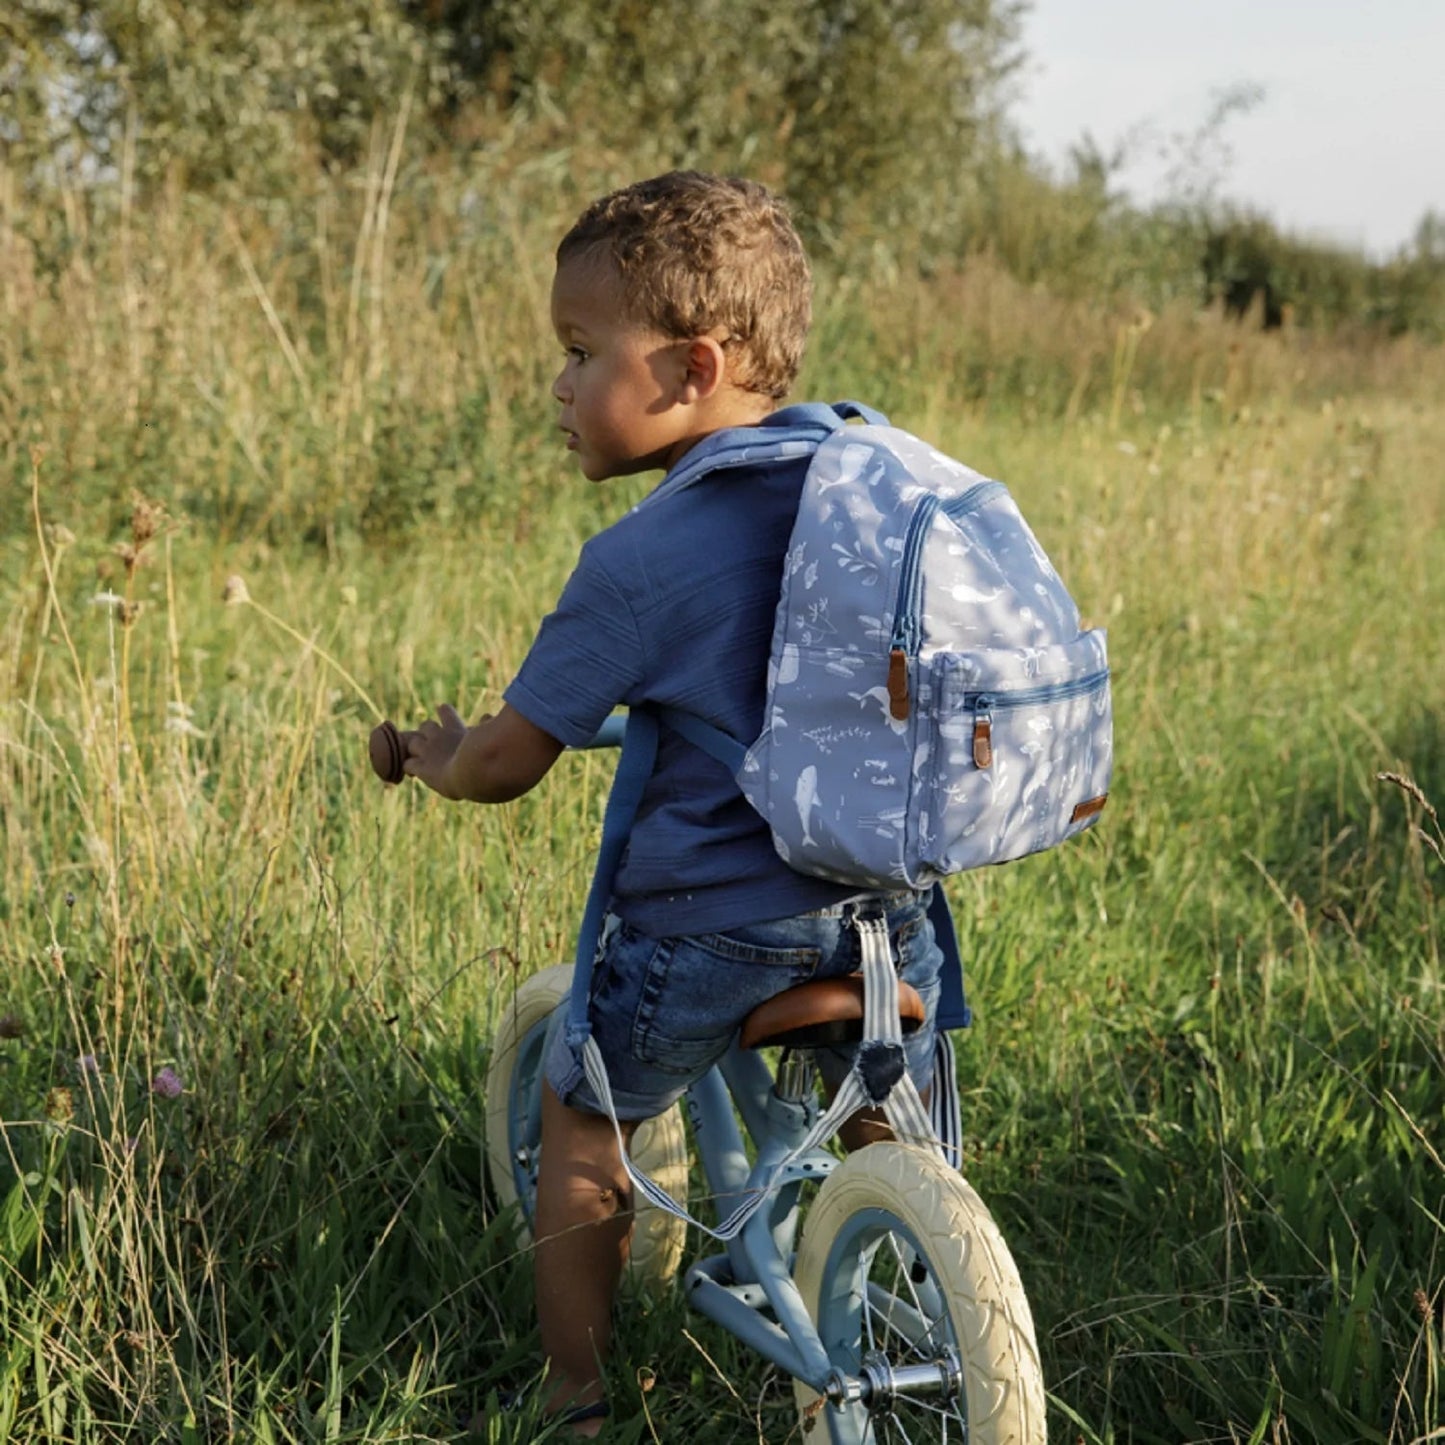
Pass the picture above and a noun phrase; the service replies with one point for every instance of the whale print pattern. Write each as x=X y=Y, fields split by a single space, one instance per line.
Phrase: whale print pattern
x=907 y=566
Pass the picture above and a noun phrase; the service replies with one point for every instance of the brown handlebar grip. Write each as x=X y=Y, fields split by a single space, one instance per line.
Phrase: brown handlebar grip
x=388 y=755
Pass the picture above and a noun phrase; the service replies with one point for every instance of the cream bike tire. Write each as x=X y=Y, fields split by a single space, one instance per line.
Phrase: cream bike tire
x=513 y=1130
x=901 y=1265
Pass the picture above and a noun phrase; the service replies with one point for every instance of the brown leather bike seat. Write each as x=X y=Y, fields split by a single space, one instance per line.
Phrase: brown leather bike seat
x=825 y=1011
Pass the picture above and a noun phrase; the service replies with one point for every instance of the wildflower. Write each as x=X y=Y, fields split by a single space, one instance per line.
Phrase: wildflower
x=60 y=535
x=348 y=596
x=107 y=599
x=235 y=591
x=88 y=1064
x=59 y=1106
x=145 y=519
x=178 y=719
x=167 y=1084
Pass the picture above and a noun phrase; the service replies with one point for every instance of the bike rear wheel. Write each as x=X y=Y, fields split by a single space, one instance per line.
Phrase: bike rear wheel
x=911 y=1287
x=514 y=1130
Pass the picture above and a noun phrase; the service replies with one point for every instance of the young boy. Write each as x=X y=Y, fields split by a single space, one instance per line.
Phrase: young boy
x=682 y=304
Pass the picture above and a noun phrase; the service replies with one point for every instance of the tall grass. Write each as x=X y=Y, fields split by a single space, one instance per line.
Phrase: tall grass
x=246 y=993
x=375 y=352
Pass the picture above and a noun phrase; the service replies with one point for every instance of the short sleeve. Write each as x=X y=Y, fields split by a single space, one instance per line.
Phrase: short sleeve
x=586 y=659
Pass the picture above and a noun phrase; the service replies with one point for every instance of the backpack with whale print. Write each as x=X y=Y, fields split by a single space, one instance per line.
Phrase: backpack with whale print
x=933 y=703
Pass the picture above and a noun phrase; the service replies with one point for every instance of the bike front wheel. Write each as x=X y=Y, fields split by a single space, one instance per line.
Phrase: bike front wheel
x=914 y=1292
x=514 y=1130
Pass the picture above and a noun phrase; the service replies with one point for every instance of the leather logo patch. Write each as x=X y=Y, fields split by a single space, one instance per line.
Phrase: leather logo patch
x=1089 y=808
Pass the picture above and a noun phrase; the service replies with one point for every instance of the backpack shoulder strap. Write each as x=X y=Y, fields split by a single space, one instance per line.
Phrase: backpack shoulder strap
x=634 y=767
x=717 y=744
x=795 y=431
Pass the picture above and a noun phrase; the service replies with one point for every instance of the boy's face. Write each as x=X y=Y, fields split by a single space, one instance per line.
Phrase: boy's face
x=619 y=384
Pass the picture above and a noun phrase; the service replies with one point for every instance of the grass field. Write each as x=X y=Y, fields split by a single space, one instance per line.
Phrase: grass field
x=245 y=993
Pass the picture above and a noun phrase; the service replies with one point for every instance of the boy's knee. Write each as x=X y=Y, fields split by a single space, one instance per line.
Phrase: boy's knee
x=582 y=1192
x=582 y=1168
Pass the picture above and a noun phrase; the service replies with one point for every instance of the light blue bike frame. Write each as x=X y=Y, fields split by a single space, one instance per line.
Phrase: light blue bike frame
x=756 y=1268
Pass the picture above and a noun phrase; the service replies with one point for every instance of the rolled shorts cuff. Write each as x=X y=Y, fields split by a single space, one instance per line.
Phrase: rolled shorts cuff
x=567 y=1075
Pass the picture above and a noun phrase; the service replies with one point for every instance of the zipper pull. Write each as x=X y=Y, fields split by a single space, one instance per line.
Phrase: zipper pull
x=982 y=734
x=898 y=684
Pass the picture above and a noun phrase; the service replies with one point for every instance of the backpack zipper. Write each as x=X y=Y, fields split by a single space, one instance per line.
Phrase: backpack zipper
x=906 y=620
x=984 y=704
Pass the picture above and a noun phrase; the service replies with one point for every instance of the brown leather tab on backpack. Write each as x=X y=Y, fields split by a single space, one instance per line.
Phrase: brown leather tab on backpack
x=982 y=743
x=1089 y=808
x=898 y=707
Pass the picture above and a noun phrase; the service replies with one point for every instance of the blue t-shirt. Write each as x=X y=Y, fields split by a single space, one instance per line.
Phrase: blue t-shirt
x=673 y=606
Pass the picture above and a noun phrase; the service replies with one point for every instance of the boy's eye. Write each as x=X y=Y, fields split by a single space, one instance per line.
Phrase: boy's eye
x=577 y=354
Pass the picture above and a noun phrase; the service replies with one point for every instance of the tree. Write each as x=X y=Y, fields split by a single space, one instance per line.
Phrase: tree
x=869 y=112
x=216 y=90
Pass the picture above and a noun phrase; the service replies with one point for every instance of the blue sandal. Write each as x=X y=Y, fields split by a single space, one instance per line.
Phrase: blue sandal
x=510 y=1401
x=597 y=1410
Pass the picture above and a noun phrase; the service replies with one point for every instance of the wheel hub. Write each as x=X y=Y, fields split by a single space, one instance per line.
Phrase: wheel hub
x=880 y=1385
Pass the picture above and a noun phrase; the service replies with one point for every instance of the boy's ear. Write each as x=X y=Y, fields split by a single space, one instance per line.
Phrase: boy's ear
x=704 y=368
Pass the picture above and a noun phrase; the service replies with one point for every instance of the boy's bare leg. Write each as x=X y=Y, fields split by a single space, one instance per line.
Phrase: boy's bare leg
x=583 y=1228
x=868 y=1126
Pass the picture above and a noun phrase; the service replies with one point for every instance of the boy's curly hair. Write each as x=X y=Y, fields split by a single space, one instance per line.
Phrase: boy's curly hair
x=695 y=252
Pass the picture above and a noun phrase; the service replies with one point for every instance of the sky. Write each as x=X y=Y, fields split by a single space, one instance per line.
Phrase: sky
x=1345 y=141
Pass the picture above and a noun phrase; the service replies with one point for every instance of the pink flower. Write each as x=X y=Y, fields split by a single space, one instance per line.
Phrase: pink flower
x=167 y=1084
x=88 y=1064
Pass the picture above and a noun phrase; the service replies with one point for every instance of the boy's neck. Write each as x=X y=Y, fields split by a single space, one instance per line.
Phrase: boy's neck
x=730 y=408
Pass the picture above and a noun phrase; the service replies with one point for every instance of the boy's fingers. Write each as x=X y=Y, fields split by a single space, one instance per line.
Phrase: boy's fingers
x=449 y=715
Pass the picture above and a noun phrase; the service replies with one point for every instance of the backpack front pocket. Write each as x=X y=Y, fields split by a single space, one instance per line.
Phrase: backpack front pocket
x=832 y=771
x=1021 y=751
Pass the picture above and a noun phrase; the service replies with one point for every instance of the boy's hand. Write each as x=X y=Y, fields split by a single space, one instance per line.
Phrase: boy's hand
x=432 y=748
x=498 y=759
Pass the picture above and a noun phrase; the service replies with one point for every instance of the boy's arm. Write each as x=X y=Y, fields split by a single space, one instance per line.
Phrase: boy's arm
x=498 y=759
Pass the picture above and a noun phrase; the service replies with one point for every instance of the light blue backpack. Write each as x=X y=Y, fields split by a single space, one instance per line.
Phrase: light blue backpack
x=933 y=705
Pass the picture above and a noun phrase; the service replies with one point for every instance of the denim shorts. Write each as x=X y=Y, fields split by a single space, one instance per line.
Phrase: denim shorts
x=665 y=1010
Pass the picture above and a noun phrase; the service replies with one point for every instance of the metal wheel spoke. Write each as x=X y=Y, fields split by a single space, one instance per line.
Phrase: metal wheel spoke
x=903 y=1319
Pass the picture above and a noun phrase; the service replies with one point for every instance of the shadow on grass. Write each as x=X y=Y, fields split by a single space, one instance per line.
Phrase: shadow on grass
x=1226 y=1194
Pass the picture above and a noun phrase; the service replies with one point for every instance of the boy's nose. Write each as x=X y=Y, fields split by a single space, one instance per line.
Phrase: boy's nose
x=560 y=389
